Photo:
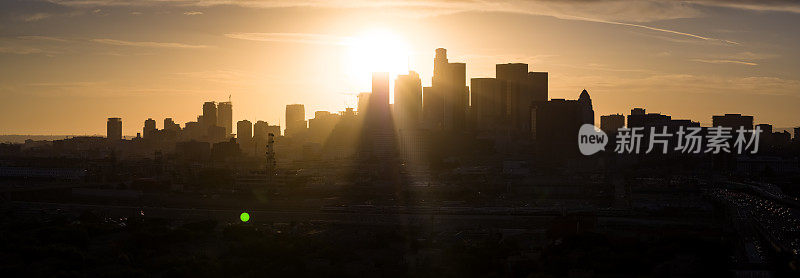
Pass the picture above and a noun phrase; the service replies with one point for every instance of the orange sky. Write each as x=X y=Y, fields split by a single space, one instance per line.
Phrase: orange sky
x=68 y=65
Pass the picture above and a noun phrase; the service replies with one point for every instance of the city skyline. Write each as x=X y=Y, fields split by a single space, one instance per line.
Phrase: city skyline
x=670 y=62
x=400 y=138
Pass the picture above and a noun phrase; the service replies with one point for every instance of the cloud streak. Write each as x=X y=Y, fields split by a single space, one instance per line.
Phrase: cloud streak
x=617 y=12
x=722 y=61
x=148 y=44
x=290 y=38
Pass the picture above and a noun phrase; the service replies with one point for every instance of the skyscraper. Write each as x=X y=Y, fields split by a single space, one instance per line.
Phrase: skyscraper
x=446 y=101
x=363 y=103
x=379 y=99
x=114 y=129
x=260 y=130
x=225 y=116
x=149 y=128
x=295 y=119
x=487 y=102
x=408 y=100
x=514 y=78
x=209 y=115
x=244 y=131
x=586 y=106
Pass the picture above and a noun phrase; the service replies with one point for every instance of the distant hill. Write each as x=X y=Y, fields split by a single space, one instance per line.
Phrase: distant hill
x=16 y=138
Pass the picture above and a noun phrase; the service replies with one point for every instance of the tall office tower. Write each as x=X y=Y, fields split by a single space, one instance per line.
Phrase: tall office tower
x=114 y=129
x=488 y=103
x=209 y=115
x=379 y=100
x=295 y=119
x=244 y=136
x=457 y=98
x=225 y=116
x=260 y=136
x=448 y=95
x=379 y=141
x=586 y=106
x=244 y=131
x=610 y=124
x=260 y=130
x=408 y=100
x=733 y=121
x=514 y=78
x=432 y=108
x=149 y=128
x=363 y=103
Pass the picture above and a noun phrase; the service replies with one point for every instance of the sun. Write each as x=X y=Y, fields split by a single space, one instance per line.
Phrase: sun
x=375 y=51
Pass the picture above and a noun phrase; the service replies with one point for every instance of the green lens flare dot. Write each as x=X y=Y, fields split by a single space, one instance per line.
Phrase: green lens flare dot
x=244 y=217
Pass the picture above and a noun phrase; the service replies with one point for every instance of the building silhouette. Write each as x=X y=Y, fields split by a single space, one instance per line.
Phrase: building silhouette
x=734 y=121
x=639 y=118
x=114 y=129
x=225 y=116
x=244 y=136
x=260 y=130
x=363 y=102
x=610 y=124
x=244 y=131
x=378 y=136
x=170 y=125
x=379 y=113
x=321 y=126
x=149 y=128
x=295 y=119
x=408 y=101
x=488 y=102
x=209 y=118
x=520 y=88
x=555 y=124
x=446 y=102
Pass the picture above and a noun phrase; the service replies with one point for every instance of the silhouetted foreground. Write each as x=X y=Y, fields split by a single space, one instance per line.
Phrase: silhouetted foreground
x=90 y=246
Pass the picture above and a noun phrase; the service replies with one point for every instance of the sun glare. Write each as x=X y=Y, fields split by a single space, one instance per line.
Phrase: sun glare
x=375 y=51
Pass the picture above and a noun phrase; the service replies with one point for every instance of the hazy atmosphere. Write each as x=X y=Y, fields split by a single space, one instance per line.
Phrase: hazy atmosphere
x=69 y=65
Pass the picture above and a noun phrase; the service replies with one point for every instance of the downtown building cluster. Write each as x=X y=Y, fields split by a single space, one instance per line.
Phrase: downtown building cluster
x=511 y=112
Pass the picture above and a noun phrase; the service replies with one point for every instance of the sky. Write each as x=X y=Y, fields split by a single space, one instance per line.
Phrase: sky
x=67 y=65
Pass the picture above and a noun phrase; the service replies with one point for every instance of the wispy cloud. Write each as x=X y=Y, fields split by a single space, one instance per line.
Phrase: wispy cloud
x=790 y=6
x=630 y=13
x=20 y=50
x=289 y=37
x=43 y=38
x=148 y=44
x=219 y=76
x=668 y=31
x=722 y=61
x=66 y=84
x=34 y=17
